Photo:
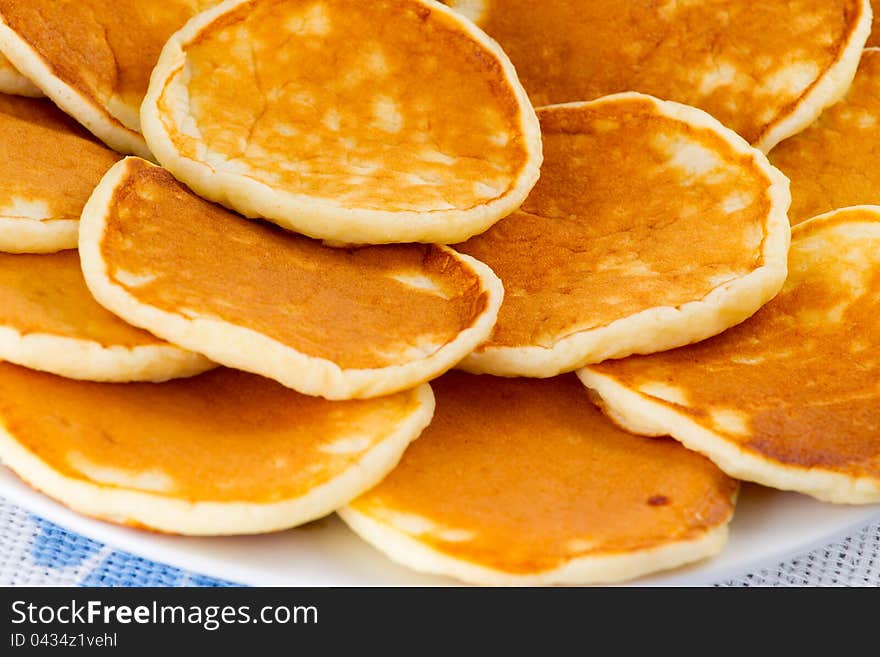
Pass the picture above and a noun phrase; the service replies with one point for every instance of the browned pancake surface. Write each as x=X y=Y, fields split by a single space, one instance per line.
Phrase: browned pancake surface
x=221 y=436
x=834 y=163
x=49 y=165
x=47 y=294
x=797 y=383
x=874 y=39
x=360 y=307
x=634 y=210
x=383 y=105
x=521 y=475
x=746 y=63
x=105 y=49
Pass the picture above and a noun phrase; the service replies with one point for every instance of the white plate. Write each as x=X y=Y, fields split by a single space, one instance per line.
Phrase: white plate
x=769 y=526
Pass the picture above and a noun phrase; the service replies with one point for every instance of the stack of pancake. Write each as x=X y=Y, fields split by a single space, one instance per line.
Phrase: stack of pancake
x=246 y=244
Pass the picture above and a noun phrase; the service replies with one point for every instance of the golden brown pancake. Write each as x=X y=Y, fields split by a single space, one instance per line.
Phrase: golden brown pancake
x=874 y=38
x=834 y=163
x=790 y=398
x=355 y=122
x=520 y=481
x=49 y=321
x=764 y=69
x=222 y=453
x=339 y=323
x=652 y=226
x=94 y=57
x=48 y=168
x=13 y=82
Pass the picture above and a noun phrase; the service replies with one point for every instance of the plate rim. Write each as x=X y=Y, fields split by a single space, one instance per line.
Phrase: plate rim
x=144 y=545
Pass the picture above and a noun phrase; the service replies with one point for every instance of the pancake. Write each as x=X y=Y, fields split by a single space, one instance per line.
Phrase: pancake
x=13 y=82
x=764 y=69
x=874 y=38
x=520 y=481
x=49 y=166
x=94 y=57
x=420 y=133
x=652 y=226
x=339 y=323
x=790 y=398
x=49 y=321
x=833 y=163
x=222 y=453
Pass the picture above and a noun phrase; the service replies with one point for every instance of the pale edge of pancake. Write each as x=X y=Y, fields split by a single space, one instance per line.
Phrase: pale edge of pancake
x=637 y=412
x=321 y=218
x=25 y=235
x=205 y=518
x=73 y=101
x=14 y=83
x=645 y=415
x=831 y=86
x=88 y=360
x=474 y=10
x=409 y=551
x=665 y=327
x=629 y=423
x=248 y=350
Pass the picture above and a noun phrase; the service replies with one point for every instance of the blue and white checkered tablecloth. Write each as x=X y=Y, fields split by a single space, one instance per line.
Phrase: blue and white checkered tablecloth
x=35 y=552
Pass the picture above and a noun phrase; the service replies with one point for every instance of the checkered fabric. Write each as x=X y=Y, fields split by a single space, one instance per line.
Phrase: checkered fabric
x=38 y=553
